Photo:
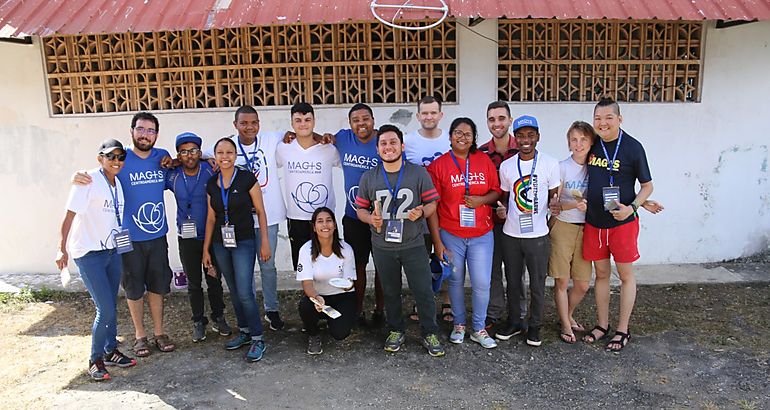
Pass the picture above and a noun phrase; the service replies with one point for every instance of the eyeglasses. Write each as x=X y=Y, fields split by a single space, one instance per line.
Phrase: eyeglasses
x=148 y=131
x=113 y=156
x=191 y=151
x=461 y=134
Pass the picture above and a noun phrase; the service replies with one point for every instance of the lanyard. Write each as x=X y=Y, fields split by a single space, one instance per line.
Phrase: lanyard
x=187 y=189
x=393 y=192
x=249 y=160
x=226 y=192
x=467 y=171
x=611 y=163
x=114 y=194
x=531 y=173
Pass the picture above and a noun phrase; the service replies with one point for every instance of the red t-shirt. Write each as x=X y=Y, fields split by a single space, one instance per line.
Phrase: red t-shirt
x=450 y=184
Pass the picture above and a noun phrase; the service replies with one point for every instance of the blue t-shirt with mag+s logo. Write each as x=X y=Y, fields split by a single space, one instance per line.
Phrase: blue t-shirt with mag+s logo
x=356 y=157
x=143 y=180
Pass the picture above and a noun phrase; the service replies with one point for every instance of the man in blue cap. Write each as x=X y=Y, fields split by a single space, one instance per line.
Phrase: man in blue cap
x=529 y=180
x=188 y=182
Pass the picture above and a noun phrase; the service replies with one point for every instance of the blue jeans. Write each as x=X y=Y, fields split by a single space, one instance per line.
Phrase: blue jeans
x=477 y=253
x=237 y=267
x=267 y=270
x=100 y=271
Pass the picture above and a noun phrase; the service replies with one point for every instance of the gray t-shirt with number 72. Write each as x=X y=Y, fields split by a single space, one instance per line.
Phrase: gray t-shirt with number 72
x=416 y=189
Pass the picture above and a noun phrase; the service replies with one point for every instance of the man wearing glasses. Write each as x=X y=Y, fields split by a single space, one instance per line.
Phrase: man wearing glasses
x=146 y=269
x=188 y=182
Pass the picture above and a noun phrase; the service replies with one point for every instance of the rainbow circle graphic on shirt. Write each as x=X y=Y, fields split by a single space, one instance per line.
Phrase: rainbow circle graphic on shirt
x=521 y=194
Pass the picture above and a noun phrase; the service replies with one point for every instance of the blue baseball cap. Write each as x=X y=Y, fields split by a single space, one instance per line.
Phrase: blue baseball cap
x=525 y=121
x=439 y=275
x=186 y=137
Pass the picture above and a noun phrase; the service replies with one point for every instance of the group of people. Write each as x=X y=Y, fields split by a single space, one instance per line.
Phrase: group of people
x=431 y=198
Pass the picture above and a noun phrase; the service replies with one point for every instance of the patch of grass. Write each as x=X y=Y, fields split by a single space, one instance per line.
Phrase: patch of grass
x=747 y=405
x=28 y=295
x=709 y=405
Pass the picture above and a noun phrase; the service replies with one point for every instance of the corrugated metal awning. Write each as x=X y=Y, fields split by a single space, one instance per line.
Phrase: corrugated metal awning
x=48 y=17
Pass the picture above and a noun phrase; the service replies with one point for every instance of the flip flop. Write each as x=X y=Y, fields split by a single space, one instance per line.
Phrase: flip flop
x=577 y=327
x=141 y=349
x=568 y=338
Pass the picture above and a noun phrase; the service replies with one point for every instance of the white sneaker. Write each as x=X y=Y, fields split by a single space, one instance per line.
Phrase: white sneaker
x=458 y=334
x=482 y=337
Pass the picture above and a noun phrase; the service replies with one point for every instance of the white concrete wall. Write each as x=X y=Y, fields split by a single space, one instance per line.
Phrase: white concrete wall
x=709 y=160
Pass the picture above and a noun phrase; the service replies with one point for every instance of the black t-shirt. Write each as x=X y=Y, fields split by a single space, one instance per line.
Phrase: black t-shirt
x=238 y=205
x=630 y=165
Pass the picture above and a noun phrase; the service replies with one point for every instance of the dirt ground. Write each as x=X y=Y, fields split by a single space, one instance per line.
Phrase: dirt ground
x=693 y=346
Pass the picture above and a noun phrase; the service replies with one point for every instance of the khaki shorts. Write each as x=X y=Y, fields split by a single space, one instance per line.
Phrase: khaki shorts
x=566 y=258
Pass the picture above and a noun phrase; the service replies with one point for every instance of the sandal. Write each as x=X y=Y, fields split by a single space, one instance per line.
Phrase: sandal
x=591 y=338
x=141 y=348
x=164 y=344
x=414 y=317
x=568 y=338
x=447 y=316
x=620 y=343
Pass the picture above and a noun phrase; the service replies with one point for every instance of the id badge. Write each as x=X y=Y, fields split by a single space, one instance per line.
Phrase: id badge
x=467 y=217
x=123 y=242
x=611 y=197
x=228 y=236
x=189 y=229
x=526 y=223
x=394 y=230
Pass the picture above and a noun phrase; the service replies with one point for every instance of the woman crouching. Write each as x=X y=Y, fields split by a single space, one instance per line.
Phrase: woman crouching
x=327 y=269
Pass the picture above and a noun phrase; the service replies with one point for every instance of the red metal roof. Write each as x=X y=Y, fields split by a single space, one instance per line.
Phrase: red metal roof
x=48 y=17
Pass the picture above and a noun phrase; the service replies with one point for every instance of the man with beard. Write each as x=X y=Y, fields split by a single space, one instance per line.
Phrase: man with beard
x=146 y=270
x=394 y=198
x=188 y=183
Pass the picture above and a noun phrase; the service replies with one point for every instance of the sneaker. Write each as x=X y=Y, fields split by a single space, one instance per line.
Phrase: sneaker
x=274 y=320
x=434 y=347
x=116 y=358
x=220 y=326
x=378 y=318
x=458 y=334
x=97 y=371
x=314 y=345
x=533 y=336
x=199 y=332
x=509 y=331
x=482 y=337
x=394 y=341
x=241 y=340
x=256 y=350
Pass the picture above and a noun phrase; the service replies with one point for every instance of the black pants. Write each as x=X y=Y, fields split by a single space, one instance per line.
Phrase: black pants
x=339 y=328
x=414 y=262
x=299 y=233
x=191 y=253
x=534 y=252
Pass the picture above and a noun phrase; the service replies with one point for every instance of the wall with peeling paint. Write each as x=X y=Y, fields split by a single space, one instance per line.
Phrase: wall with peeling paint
x=709 y=160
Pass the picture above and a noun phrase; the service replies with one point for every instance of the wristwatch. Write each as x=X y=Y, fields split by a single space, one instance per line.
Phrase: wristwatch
x=634 y=206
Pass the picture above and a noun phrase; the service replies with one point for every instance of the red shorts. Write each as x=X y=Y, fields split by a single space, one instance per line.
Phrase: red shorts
x=620 y=242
